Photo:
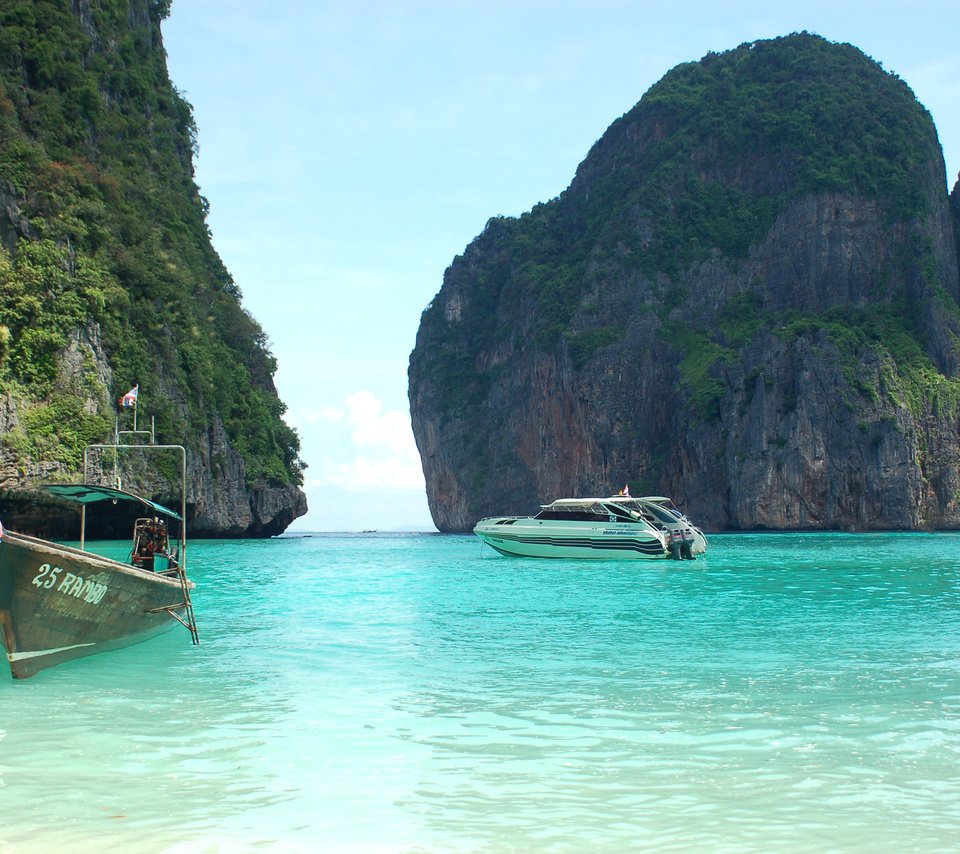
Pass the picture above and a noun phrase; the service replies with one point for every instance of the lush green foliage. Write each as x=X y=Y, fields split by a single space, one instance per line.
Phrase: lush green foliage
x=701 y=356
x=808 y=115
x=955 y=213
x=96 y=151
x=583 y=345
x=58 y=431
x=879 y=334
x=906 y=376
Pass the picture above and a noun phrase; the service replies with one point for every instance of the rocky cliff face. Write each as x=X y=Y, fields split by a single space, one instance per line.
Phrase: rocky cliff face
x=220 y=503
x=108 y=279
x=747 y=299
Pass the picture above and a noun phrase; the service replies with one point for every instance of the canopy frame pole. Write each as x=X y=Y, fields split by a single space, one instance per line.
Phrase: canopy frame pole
x=116 y=447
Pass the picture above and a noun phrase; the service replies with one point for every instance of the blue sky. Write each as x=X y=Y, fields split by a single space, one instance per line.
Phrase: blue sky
x=349 y=150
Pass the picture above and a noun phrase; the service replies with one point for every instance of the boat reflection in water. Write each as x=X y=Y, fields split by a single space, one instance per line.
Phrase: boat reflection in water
x=617 y=528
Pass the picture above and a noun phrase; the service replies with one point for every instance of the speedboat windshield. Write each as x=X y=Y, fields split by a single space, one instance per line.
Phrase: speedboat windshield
x=589 y=510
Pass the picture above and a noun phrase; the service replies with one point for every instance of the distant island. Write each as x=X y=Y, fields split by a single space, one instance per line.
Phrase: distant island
x=747 y=299
x=108 y=279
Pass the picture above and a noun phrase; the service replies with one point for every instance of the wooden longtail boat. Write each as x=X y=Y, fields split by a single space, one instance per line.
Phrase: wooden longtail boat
x=58 y=603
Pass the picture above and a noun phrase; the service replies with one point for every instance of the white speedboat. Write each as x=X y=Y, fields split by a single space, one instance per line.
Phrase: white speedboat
x=617 y=528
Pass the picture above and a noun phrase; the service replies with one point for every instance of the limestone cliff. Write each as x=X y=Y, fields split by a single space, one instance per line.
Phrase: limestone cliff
x=746 y=299
x=108 y=279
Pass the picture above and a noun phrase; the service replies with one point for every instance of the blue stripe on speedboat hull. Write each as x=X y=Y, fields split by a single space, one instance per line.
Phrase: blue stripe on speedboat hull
x=561 y=547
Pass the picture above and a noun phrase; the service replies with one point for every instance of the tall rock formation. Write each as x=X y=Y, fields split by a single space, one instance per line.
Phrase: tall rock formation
x=108 y=279
x=746 y=299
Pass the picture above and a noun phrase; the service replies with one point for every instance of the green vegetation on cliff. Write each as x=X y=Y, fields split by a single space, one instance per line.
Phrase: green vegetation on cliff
x=104 y=232
x=955 y=213
x=879 y=334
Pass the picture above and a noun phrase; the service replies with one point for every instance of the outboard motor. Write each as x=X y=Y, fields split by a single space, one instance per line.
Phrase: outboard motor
x=675 y=543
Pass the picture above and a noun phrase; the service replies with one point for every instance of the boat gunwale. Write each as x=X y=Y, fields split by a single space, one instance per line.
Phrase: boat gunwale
x=39 y=544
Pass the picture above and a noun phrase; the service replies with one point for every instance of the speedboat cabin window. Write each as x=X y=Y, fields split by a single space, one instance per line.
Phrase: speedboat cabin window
x=573 y=515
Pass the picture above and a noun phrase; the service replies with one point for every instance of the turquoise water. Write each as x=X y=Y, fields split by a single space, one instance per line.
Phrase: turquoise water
x=395 y=693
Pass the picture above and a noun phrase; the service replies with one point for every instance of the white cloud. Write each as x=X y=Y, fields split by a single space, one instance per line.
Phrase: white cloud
x=381 y=453
x=365 y=474
x=372 y=427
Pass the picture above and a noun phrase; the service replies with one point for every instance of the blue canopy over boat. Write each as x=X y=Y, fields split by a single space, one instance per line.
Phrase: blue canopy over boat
x=87 y=493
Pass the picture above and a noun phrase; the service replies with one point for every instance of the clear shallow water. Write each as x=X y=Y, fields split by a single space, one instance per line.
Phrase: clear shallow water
x=393 y=693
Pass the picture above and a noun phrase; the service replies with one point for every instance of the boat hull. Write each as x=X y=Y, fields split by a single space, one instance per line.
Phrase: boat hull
x=59 y=603
x=579 y=541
